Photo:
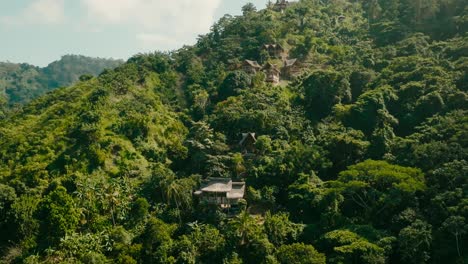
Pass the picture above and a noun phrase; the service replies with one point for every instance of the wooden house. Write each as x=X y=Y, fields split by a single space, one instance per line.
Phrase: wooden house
x=222 y=192
x=291 y=68
x=339 y=20
x=281 y=5
x=272 y=73
x=275 y=50
x=247 y=143
x=251 y=67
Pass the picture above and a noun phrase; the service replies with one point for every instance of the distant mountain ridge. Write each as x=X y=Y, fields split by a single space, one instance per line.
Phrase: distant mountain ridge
x=22 y=82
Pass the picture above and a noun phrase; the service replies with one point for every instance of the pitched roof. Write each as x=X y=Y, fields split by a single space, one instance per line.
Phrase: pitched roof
x=252 y=63
x=289 y=63
x=237 y=192
x=245 y=136
x=233 y=190
x=273 y=46
x=271 y=67
x=217 y=185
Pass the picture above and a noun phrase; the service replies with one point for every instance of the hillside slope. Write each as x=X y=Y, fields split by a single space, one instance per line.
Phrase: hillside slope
x=20 y=83
x=361 y=157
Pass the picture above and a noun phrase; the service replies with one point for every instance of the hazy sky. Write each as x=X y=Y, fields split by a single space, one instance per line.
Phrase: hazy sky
x=40 y=31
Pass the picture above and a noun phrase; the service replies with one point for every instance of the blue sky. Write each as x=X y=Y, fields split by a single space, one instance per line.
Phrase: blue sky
x=40 y=31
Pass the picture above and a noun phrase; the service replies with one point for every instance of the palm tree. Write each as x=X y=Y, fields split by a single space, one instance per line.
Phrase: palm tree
x=177 y=192
x=243 y=226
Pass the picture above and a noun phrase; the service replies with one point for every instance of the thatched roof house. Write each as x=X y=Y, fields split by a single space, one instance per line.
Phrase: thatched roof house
x=221 y=191
x=272 y=73
x=247 y=142
x=251 y=67
x=291 y=68
x=281 y=5
x=274 y=50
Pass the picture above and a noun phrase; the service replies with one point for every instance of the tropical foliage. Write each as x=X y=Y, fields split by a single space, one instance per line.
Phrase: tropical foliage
x=362 y=158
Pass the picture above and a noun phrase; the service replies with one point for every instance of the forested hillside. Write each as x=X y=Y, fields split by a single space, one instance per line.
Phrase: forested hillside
x=360 y=157
x=20 y=83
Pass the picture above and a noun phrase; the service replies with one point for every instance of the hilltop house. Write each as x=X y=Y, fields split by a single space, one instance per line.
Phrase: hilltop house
x=251 y=67
x=275 y=50
x=272 y=73
x=222 y=192
x=281 y=5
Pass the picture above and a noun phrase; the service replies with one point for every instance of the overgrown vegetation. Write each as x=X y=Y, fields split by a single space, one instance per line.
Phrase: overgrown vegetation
x=361 y=159
x=20 y=83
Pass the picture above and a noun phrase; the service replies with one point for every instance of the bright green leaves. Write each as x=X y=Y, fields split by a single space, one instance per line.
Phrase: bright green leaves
x=346 y=246
x=248 y=235
x=58 y=215
x=344 y=146
x=439 y=140
x=370 y=110
x=384 y=176
x=415 y=242
x=133 y=144
x=375 y=189
x=233 y=83
x=157 y=241
x=299 y=254
x=423 y=89
x=323 y=89
x=204 y=244
x=263 y=111
x=280 y=229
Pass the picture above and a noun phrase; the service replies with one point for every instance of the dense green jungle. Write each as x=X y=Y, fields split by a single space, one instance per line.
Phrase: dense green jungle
x=21 y=82
x=360 y=156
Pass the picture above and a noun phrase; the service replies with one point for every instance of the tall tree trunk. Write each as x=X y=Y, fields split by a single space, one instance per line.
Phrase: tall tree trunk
x=458 y=246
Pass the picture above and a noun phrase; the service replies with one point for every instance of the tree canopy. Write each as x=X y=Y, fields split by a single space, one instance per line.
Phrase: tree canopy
x=358 y=155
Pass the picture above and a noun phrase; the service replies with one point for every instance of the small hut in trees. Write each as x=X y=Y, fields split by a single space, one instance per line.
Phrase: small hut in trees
x=281 y=5
x=291 y=68
x=272 y=73
x=247 y=143
x=275 y=50
x=222 y=192
x=339 y=20
x=251 y=67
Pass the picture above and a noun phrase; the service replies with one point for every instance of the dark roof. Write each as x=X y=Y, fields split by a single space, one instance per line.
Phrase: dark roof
x=252 y=63
x=282 y=3
x=245 y=136
x=273 y=46
x=289 y=63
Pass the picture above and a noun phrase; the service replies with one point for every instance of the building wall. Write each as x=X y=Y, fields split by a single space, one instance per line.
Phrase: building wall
x=249 y=69
x=273 y=77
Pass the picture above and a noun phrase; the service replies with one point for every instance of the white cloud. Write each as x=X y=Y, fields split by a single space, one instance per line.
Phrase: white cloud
x=38 y=12
x=110 y=11
x=163 y=42
x=164 y=22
